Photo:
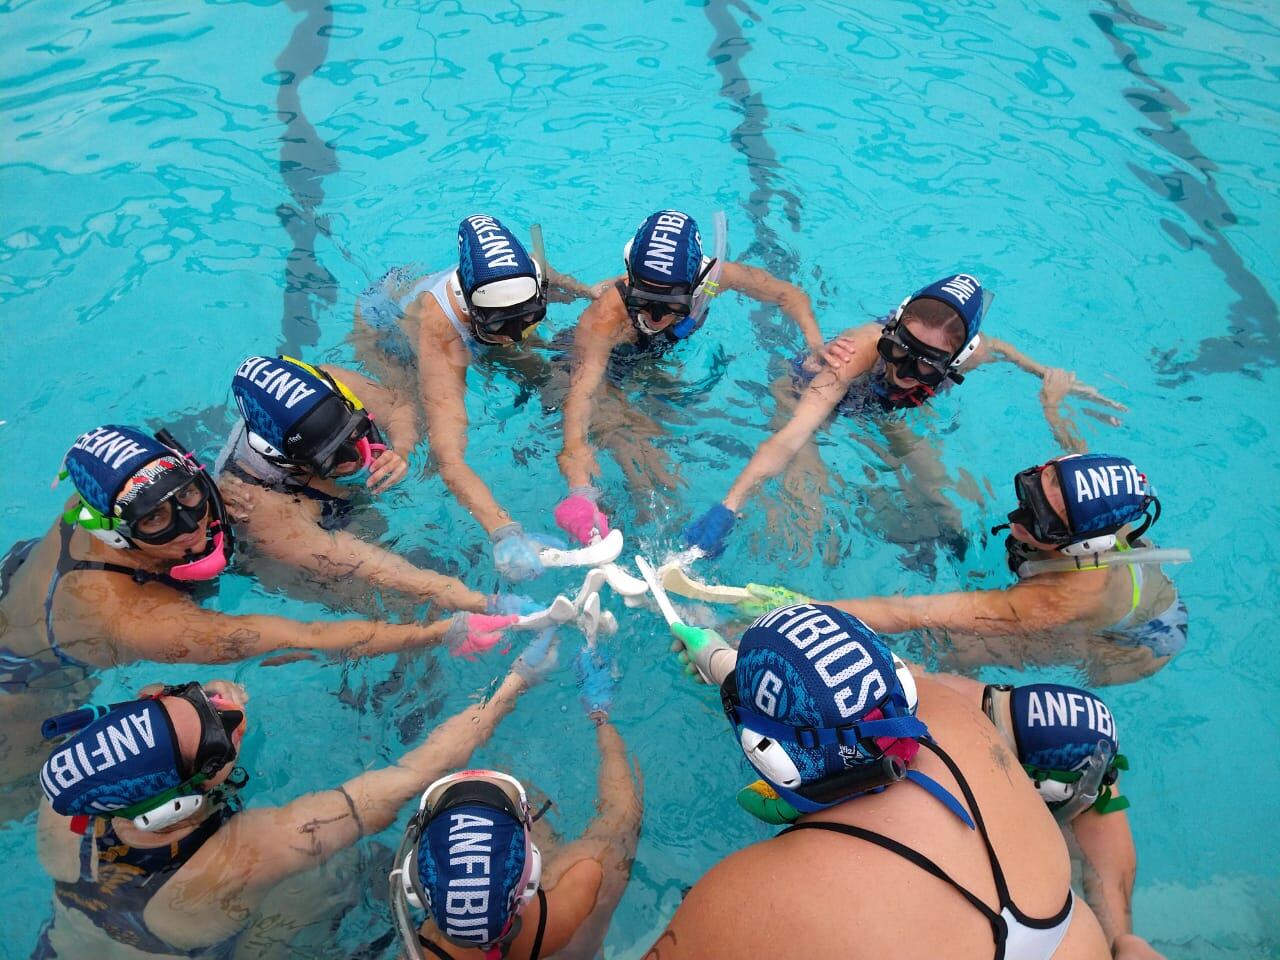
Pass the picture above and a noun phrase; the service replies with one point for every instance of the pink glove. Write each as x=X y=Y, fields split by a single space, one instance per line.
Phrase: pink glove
x=579 y=517
x=472 y=633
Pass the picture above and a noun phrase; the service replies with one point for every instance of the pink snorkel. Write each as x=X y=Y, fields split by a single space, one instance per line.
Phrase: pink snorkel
x=368 y=451
x=224 y=543
x=208 y=566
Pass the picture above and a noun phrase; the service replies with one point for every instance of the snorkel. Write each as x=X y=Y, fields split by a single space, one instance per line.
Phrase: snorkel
x=709 y=288
x=220 y=540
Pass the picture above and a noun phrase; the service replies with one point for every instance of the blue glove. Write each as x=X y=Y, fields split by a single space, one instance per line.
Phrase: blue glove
x=512 y=603
x=595 y=683
x=515 y=553
x=538 y=658
x=709 y=531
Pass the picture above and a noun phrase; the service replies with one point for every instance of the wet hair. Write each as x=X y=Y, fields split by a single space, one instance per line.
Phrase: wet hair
x=936 y=315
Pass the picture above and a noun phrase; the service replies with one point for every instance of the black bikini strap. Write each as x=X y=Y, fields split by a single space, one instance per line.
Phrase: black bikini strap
x=435 y=951
x=998 y=927
x=997 y=874
x=542 y=924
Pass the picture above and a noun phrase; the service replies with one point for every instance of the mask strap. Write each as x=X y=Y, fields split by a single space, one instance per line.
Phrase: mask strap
x=1147 y=521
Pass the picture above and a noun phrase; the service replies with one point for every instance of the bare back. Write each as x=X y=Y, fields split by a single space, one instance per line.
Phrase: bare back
x=806 y=891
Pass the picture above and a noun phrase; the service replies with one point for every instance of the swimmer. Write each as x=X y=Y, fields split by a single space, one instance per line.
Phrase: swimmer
x=663 y=299
x=112 y=582
x=1084 y=512
x=1055 y=732
x=303 y=432
x=145 y=836
x=507 y=900
x=493 y=301
x=907 y=808
x=871 y=370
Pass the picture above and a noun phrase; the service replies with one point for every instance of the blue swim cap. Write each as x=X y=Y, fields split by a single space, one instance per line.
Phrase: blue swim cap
x=493 y=266
x=816 y=697
x=666 y=250
x=1058 y=727
x=1102 y=493
x=128 y=756
x=102 y=461
x=963 y=293
x=274 y=394
x=471 y=862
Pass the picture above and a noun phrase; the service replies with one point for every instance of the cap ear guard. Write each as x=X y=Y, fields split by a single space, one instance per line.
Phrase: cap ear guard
x=102 y=527
x=169 y=813
x=770 y=758
x=1083 y=548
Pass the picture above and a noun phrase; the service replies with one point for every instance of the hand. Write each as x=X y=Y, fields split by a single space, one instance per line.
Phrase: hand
x=709 y=531
x=538 y=658
x=595 y=682
x=579 y=517
x=386 y=471
x=1056 y=385
x=472 y=633
x=1130 y=946
x=512 y=603
x=839 y=352
x=515 y=553
x=598 y=290
x=765 y=598
x=694 y=648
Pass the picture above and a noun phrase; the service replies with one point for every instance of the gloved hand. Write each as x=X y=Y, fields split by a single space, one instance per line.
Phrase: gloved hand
x=512 y=603
x=472 y=633
x=538 y=658
x=595 y=682
x=709 y=531
x=694 y=647
x=765 y=598
x=515 y=553
x=579 y=517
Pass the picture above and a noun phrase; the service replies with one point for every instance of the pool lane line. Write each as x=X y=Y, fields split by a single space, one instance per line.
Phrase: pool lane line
x=749 y=138
x=305 y=160
x=1253 y=337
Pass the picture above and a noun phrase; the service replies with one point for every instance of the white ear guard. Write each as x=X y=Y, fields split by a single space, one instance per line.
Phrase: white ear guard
x=260 y=446
x=175 y=811
x=530 y=889
x=110 y=537
x=1084 y=548
x=1051 y=791
x=770 y=758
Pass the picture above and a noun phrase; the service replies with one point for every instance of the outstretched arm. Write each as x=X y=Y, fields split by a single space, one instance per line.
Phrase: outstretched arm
x=765 y=287
x=1025 y=608
x=277 y=842
x=571 y=287
x=283 y=531
x=588 y=876
x=993 y=349
x=148 y=623
x=593 y=339
x=442 y=371
x=820 y=397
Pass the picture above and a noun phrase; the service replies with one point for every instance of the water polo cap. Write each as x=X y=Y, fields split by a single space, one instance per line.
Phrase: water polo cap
x=821 y=710
x=467 y=859
x=301 y=419
x=170 y=495
x=123 y=760
x=1102 y=493
x=921 y=362
x=667 y=274
x=505 y=289
x=1067 y=742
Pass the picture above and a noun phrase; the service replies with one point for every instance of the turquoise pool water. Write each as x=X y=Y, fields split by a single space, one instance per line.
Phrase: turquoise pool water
x=182 y=185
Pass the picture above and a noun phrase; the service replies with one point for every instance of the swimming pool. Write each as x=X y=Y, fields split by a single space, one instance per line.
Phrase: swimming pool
x=183 y=186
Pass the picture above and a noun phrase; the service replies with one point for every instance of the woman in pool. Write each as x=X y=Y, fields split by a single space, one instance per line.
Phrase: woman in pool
x=304 y=430
x=146 y=840
x=491 y=303
x=112 y=582
x=525 y=905
x=912 y=835
x=1110 y=609
x=662 y=300
x=1065 y=739
x=877 y=369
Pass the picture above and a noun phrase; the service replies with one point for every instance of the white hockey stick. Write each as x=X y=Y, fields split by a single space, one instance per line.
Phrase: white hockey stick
x=561 y=611
x=677 y=581
x=595 y=555
x=659 y=594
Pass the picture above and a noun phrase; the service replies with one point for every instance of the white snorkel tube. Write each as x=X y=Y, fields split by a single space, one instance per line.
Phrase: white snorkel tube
x=1088 y=787
x=710 y=286
x=1112 y=558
